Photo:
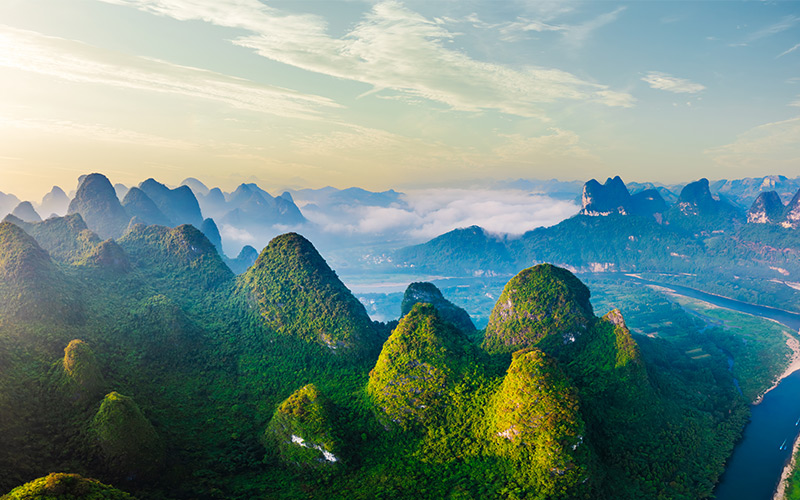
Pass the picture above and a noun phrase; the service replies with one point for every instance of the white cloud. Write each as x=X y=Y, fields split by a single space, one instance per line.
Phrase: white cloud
x=427 y=213
x=578 y=34
x=663 y=81
x=784 y=24
x=78 y=62
x=788 y=51
x=393 y=49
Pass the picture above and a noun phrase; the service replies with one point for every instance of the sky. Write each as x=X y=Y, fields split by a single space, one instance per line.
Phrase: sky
x=392 y=94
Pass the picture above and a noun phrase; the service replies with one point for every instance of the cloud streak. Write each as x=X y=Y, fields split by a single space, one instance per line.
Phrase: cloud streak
x=663 y=81
x=776 y=144
x=78 y=62
x=391 y=49
x=773 y=29
x=788 y=51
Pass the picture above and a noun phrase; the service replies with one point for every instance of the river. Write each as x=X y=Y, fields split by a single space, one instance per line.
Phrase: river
x=754 y=469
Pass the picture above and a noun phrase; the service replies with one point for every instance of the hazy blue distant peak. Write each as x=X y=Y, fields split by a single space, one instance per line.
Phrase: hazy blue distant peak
x=179 y=205
x=54 y=202
x=7 y=202
x=121 y=190
x=26 y=212
x=352 y=196
x=140 y=206
x=196 y=186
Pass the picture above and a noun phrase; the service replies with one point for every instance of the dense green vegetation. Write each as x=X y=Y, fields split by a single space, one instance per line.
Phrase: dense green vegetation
x=129 y=446
x=57 y=486
x=427 y=293
x=536 y=422
x=417 y=366
x=219 y=373
x=543 y=303
x=298 y=294
x=301 y=430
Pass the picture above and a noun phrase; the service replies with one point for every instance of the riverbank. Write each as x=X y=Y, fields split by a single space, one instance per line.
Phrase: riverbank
x=794 y=365
x=787 y=472
x=780 y=492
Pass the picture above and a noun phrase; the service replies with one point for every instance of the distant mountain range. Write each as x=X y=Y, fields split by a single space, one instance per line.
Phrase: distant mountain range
x=616 y=231
x=248 y=216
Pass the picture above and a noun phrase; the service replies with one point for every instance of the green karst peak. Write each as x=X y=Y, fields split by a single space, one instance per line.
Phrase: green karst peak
x=60 y=486
x=535 y=420
x=298 y=294
x=301 y=430
x=129 y=446
x=428 y=293
x=542 y=304
x=82 y=371
x=417 y=365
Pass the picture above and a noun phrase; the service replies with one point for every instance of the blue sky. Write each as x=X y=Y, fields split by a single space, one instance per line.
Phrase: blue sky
x=395 y=94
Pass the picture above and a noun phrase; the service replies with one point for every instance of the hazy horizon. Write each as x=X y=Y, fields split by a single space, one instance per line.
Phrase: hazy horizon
x=395 y=94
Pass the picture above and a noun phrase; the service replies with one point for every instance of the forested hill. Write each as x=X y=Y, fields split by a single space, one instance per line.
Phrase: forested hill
x=145 y=363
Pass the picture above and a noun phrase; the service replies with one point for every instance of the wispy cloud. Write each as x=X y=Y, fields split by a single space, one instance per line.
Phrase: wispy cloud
x=773 y=29
x=788 y=51
x=578 y=34
x=663 y=81
x=558 y=143
x=392 y=49
x=94 y=131
x=776 y=144
x=575 y=35
x=78 y=62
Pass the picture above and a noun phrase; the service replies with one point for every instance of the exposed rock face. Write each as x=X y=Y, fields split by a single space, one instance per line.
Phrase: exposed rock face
x=139 y=205
x=129 y=446
x=298 y=294
x=179 y=205
x=418 y=362
x=696 y=198
x=792 y=218
x=613 y=198
x=428 y=293
x=535 y=420
x=99 y=206
x=26 y=212
x=302 y=432
x=543 y=305
x=767 y=209
x=55 y=202
x=698 y=210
